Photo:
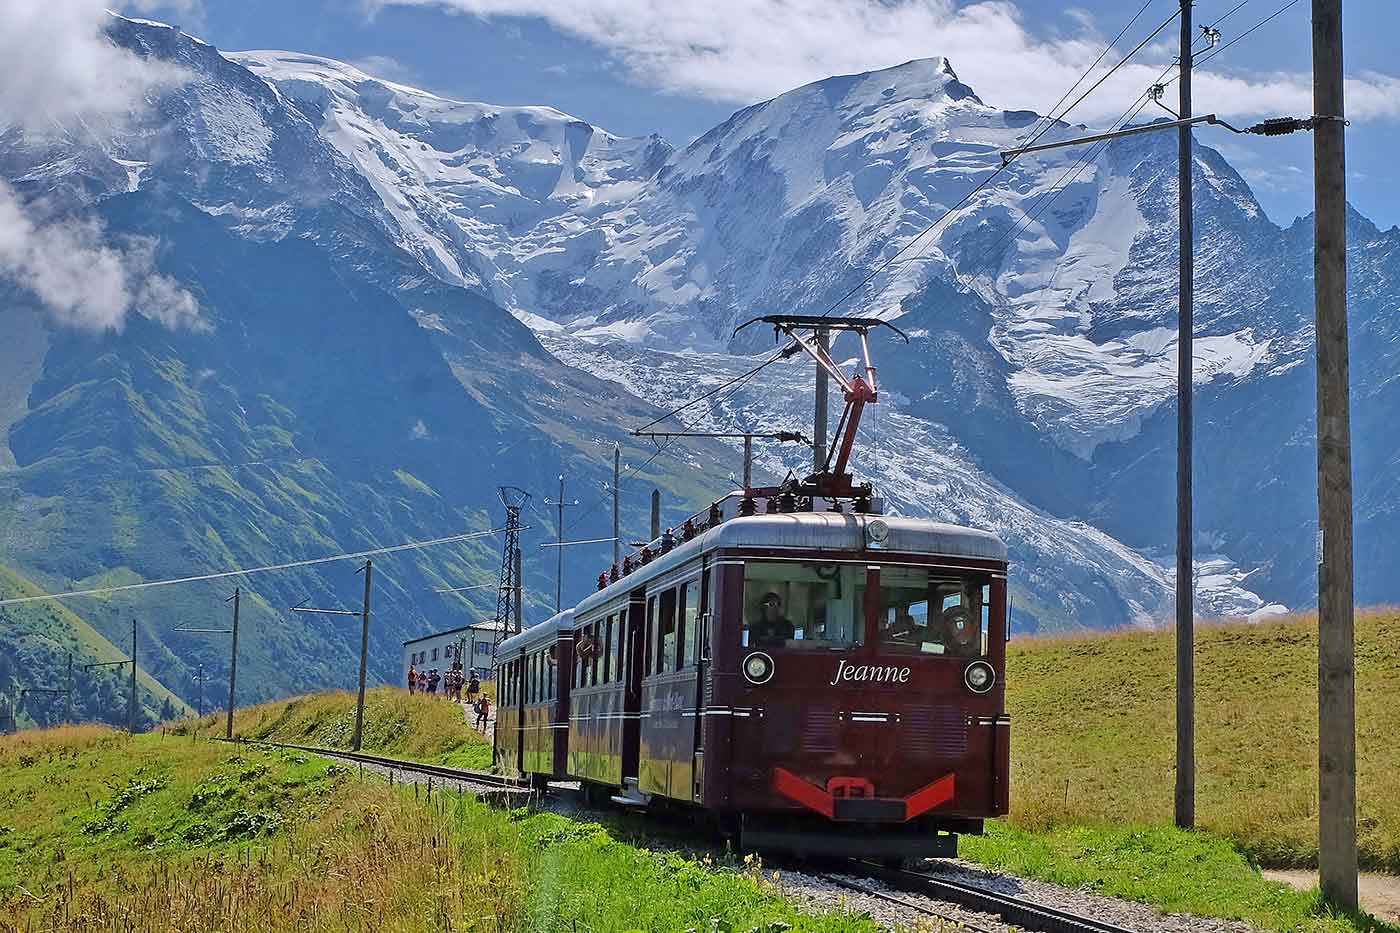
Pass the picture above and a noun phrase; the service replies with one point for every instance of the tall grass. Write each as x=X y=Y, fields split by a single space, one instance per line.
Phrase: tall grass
x=1093 y=738
x=342 y=854
x=416 y=727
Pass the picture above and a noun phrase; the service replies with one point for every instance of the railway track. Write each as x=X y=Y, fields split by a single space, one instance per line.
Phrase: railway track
x=398 y=764
x=1023 y=913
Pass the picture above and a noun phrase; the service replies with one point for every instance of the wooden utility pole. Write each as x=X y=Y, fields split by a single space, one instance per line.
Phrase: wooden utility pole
x=131 y=707
x=655 y=514
x=1336 y=688
x=1185 y=588
x=748 y=461
x=819 y=416
x=617 y=526
x=232 y=667
x=358 y=735
x=559 y=556
x=68 y=694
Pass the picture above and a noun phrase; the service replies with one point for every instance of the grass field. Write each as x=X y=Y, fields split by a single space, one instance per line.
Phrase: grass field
x=1093 y=734
x=104 y=832
x=397 y=724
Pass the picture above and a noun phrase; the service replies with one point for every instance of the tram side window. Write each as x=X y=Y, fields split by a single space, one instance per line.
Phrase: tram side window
x=551 y=664
x=666 y=625
x=620 y=664
x=595 y=632
x=690 y=619
x=649 y=643
x=605 y=675
x=929 y=613
x=803 y=606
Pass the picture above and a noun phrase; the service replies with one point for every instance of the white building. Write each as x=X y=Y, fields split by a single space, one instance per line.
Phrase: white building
x=440 y=649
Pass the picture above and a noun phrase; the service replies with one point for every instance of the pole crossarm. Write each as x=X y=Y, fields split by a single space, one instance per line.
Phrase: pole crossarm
x=463 y=589
x=584 y=541
x=88 y=667
x=786 y=437
x=1274 y=126
x=329 y=612
x=1009 y=154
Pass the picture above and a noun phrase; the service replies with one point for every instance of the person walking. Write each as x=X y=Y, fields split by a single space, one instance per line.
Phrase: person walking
x=433 y=678
x=412 y=679
x=483 y=713
x=473 y=688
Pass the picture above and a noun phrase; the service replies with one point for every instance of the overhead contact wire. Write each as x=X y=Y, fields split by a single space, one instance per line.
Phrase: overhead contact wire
x=962 y=202
x=245 y=571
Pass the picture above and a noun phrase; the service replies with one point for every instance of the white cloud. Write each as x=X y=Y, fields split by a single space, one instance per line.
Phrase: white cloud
x=60 y=67
x=746 y=50
x=83 y=280
x=386 y=67
x=62 y=71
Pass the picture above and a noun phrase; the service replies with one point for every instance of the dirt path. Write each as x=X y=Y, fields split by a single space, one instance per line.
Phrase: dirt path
x=1380 y=894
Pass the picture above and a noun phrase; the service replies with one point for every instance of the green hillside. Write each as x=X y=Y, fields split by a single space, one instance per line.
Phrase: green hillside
x=397 y=724
x=1093 y=734
x=35 y=642
x=159 y=833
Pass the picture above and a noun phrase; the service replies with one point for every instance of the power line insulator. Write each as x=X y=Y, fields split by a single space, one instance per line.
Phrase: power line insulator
x=1156 y=91
x=1280 y=126
x=1211 y=34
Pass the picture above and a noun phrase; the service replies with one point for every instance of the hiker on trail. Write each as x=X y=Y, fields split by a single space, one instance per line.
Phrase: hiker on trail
x=483 y=712
x=433 y=678
x=412 y=678
x=473 y=688
x=454 y=685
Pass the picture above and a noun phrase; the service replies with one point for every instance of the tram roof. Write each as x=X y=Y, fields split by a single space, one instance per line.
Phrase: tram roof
x=814 y=531
x=543 y=631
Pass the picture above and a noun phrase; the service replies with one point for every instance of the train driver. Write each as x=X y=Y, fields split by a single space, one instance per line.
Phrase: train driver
x=772 y=627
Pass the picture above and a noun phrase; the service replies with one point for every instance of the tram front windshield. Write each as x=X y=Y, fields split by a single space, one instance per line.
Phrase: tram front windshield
x=822 y=606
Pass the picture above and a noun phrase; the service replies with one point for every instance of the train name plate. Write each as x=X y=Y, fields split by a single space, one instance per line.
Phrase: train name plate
x=869 y=673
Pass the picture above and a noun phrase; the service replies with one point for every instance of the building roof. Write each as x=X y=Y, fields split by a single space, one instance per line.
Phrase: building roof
x=490 y=626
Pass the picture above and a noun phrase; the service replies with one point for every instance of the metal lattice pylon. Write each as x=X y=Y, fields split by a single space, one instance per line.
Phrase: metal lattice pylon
x=514 y=498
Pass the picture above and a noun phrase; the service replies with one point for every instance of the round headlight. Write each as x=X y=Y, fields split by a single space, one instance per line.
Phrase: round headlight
x=979 y=677
x=877 y=532
x=758 y=668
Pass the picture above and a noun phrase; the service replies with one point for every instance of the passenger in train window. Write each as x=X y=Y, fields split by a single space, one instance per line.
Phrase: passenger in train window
x=822 y=605
x=773 y=626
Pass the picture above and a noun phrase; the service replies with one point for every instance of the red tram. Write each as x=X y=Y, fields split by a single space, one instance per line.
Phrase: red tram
x=820 y=682
x=812 y=675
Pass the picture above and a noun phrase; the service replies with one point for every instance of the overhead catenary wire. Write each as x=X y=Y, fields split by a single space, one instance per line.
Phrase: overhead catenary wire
x=1076 y=168
x=739 y=379
x=1272 y=16
x=963 y=201
x=245 y=571
x=1048 y=197
x=1050 y=118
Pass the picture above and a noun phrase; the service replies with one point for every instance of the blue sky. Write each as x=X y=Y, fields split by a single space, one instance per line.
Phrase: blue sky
x=679 y=67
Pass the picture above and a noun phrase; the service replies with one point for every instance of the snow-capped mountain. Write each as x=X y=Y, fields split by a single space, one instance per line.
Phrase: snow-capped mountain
x=1033 y=398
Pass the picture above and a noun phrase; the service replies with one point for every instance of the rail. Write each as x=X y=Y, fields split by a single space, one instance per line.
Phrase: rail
x=398 y=764
x=1011 y=909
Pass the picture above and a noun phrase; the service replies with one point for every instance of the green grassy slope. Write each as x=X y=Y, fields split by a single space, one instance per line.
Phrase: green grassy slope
x=99 y=831
x=418 y=728
x=35 y=639
x=1093 y=734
